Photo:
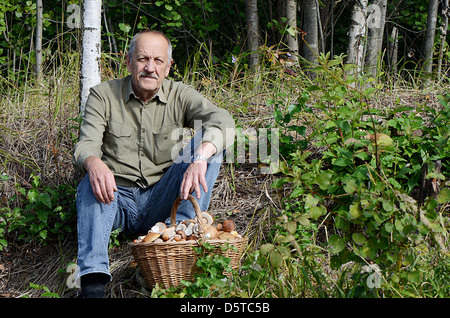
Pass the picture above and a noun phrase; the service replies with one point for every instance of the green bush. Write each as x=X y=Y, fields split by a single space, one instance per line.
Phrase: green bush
x=41 y=213
x=376 y=179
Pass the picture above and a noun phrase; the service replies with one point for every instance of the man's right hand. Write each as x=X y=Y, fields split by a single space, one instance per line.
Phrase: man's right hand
x=101 y=178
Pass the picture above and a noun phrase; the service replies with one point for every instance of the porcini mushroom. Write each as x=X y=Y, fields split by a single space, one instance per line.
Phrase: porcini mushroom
x=181 y=233
x=168 y=234
x=207 y=218
x=226 y=236
x=150 y=237
x=228 y=226
x=210 y=232
x=158 y=227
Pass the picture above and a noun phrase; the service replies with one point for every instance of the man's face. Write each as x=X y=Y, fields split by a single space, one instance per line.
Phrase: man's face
x=149 y=64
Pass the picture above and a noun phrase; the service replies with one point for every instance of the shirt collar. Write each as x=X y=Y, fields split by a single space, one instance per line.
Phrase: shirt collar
x=129 y=91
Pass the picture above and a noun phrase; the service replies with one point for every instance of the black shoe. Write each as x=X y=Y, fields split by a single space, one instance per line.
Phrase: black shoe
x=94 y=285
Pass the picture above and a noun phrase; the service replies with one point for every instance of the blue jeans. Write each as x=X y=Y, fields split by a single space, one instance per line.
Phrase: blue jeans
x=134 y=210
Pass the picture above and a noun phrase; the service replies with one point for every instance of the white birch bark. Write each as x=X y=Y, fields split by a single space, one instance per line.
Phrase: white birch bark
x=292 y=39
x=91 y=49
x=310 y=26
x=251 y=7
x=39 y=17
x=429 y=36
x=357 y=35
x=375 y=27
x=444 y=27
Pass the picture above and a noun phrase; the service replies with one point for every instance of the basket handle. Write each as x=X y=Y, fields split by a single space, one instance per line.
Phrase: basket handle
x=198 y=211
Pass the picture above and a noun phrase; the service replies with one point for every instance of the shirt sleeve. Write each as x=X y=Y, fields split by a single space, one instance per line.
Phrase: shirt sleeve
x=217 y=123
x=91 y=130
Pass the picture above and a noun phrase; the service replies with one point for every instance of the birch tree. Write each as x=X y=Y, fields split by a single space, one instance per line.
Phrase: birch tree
x=310 y=49
x=292 y=37
x=445 y=12
x=357 y=34
x=38 y=44
x=429 y=36
x=91 y=49
x=251 y=8
x=376 y=16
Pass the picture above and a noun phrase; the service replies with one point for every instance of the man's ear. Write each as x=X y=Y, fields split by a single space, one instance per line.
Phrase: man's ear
x=169 y=66
x=128 y=64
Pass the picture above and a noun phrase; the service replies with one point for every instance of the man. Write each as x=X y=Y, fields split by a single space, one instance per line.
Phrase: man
x=129 y=142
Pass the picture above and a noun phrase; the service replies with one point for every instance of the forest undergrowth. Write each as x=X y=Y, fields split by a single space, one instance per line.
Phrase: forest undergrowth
x=355 y=204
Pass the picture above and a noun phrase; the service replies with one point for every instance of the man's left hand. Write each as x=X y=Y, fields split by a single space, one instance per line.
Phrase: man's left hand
x=193 y=177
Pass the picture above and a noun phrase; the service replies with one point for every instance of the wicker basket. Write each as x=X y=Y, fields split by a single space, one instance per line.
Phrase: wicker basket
x=168 y=263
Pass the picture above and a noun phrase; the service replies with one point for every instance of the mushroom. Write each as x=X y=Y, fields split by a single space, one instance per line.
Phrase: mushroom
x=181 y=233
x=158 y=227
x=226 y=236
x=181 y=227
x=235 y=234
x=168 y=234
x=207 y=218
x=228 y=225
x=210 y=232
x=190 y=229
x=150 y=237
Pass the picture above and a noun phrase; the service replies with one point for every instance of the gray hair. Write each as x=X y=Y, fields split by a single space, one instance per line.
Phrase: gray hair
x=133 y=43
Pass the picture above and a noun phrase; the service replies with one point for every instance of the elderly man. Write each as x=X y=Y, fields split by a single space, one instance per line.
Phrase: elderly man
x=130 y=148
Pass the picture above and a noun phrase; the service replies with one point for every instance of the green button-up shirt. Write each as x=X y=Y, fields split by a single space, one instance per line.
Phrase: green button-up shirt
x=138 y=140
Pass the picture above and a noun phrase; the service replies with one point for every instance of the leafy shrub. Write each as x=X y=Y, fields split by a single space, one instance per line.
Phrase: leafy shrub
x=377 y=179
x=42 y=214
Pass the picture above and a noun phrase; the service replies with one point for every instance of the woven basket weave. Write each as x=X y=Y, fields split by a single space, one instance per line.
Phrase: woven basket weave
x=168 y=263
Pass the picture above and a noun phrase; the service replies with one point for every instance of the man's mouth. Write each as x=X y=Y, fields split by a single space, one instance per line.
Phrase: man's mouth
x=148 y=75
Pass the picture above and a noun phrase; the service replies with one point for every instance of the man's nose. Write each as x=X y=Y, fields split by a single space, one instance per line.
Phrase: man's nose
x=150 y=66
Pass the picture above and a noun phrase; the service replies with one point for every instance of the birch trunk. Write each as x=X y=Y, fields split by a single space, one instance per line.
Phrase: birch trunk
x=375 y=28
x=429 y=36
x=292 y=37
x=251 y=8
x=39 y=17
x=393 y=51
x=91 y=49
x=310 y=49
x=357 y=34
x=444 y=28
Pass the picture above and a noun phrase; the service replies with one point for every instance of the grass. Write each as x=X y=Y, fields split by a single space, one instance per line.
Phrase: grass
x=38 y=130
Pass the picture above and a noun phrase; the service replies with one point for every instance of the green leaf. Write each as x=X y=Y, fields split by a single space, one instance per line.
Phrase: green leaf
x=323 y=180
x=389 y=227
x=336 y=244
x=311 y=201
x=341 y=162
x=32 y=195
x=358 y=238
x=355 y=211
x=291 y=227
x=297 y=192
x=317 y=212
x=414 y=277
x=45 y=199
x=303 y=220
x=265 y=249
x=42 y=215
x=275 y=259
x=443 y=196
x=350 y=186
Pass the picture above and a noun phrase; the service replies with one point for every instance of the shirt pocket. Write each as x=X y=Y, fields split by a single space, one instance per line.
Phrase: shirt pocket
x=119 y=140
x=167 y=143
